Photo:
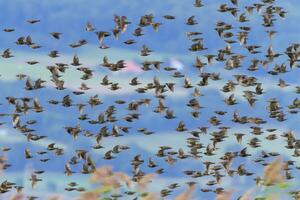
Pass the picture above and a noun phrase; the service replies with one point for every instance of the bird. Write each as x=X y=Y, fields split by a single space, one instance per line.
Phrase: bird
x=33 y=21
x=89 y=27
x=56 y=35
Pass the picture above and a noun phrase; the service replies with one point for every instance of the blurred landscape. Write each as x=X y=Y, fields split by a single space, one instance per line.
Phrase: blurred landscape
x=170 y=46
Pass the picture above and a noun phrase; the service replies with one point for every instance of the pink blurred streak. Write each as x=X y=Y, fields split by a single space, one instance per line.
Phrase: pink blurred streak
x=132 y=66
